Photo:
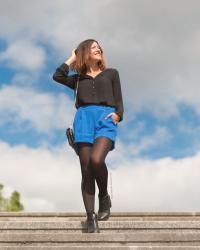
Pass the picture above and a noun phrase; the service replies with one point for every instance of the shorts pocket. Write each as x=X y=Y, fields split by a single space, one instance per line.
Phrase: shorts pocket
x=112 y=120
x=108 y=121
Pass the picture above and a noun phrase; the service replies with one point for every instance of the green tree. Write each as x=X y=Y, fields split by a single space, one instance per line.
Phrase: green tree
x=11 y=204
x=14 y=204
x=2 y=199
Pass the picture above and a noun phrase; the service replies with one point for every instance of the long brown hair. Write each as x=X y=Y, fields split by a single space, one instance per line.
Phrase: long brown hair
x=81 y=65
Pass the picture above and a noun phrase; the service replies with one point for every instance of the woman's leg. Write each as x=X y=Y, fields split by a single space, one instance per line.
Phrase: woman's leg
x=88 y=187
x=100 y=149
x=98 y=154
x=88 y=181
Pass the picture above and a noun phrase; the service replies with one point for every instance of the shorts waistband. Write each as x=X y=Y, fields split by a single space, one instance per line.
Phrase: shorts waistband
x=96 y=106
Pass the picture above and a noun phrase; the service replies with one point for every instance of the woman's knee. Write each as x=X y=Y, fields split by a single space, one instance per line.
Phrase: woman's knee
x=95 y=161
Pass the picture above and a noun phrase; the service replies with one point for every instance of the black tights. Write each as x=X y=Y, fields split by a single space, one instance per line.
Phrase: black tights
x=93 y=167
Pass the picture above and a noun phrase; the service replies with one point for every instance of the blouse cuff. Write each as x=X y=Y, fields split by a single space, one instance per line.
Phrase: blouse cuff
x=64 y=67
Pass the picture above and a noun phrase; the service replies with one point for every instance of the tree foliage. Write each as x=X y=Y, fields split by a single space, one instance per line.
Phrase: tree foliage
x=10 y=204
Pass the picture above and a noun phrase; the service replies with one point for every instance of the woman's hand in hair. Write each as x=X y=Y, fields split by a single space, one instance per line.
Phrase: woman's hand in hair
x=72 y=58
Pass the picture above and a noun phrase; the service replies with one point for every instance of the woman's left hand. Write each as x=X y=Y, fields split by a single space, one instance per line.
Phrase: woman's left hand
x=114 y=116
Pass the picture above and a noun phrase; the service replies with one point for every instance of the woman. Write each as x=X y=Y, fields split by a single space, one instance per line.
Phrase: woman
x=99 y=110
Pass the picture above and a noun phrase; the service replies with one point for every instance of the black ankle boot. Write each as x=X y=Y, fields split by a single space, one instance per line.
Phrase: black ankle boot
x=104 y=207
x=92 y=223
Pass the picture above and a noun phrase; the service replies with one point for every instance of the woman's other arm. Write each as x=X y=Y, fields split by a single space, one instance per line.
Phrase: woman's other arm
x=118 y=96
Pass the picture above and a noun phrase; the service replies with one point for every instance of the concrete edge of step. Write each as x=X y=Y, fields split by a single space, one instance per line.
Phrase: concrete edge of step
x=100 y=247
x=113 y=214
x=59 y=225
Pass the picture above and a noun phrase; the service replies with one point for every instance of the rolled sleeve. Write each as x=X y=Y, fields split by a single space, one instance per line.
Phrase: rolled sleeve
x=61 y=76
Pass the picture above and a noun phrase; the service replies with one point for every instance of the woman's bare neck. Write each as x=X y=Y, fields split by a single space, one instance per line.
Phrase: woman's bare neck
x=93 y=68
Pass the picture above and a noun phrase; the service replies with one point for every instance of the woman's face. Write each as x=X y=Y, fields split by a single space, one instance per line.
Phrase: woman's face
x=95 y=52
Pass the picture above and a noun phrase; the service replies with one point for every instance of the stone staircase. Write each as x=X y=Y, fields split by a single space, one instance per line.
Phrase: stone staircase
x=138 y=231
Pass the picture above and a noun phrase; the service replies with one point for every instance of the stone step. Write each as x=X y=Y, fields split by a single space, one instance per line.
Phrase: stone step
x=100 y=248
x=110 y=219
x=101 y=237
x=108 y=225
x=122 y=231
x=115 y=216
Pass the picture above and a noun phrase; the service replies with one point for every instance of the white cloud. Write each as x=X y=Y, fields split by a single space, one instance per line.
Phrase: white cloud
x=160 y=185
x=23 y=55
x=161 y=135
x=42 y=111
x=24 y=79
x=43 y=177
x=157 y=56
x=49 y=180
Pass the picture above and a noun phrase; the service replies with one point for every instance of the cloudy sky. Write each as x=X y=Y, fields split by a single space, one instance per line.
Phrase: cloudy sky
x=155 y=45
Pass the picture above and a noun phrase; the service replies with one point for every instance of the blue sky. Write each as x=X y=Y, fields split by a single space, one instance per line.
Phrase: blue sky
x=158 y=61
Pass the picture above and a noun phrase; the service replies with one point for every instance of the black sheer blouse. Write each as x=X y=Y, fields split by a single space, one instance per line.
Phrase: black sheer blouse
x=103 y=89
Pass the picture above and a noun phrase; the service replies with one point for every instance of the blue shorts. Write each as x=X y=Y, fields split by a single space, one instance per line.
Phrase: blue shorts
x=90 y=123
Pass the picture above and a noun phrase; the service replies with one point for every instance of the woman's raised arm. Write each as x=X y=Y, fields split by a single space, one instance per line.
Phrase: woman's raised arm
x=61 y=74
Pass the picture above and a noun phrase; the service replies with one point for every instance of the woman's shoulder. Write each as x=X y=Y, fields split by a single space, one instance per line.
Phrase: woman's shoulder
x=112 y=70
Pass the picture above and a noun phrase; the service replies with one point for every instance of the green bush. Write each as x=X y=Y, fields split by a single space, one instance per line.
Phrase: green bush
x=11 y=204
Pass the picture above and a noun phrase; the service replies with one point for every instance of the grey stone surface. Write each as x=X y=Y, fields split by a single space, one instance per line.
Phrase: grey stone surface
x=114 y=214
x=101 y=237
x=122 y=231
x=101 y=247
x=47 y=225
